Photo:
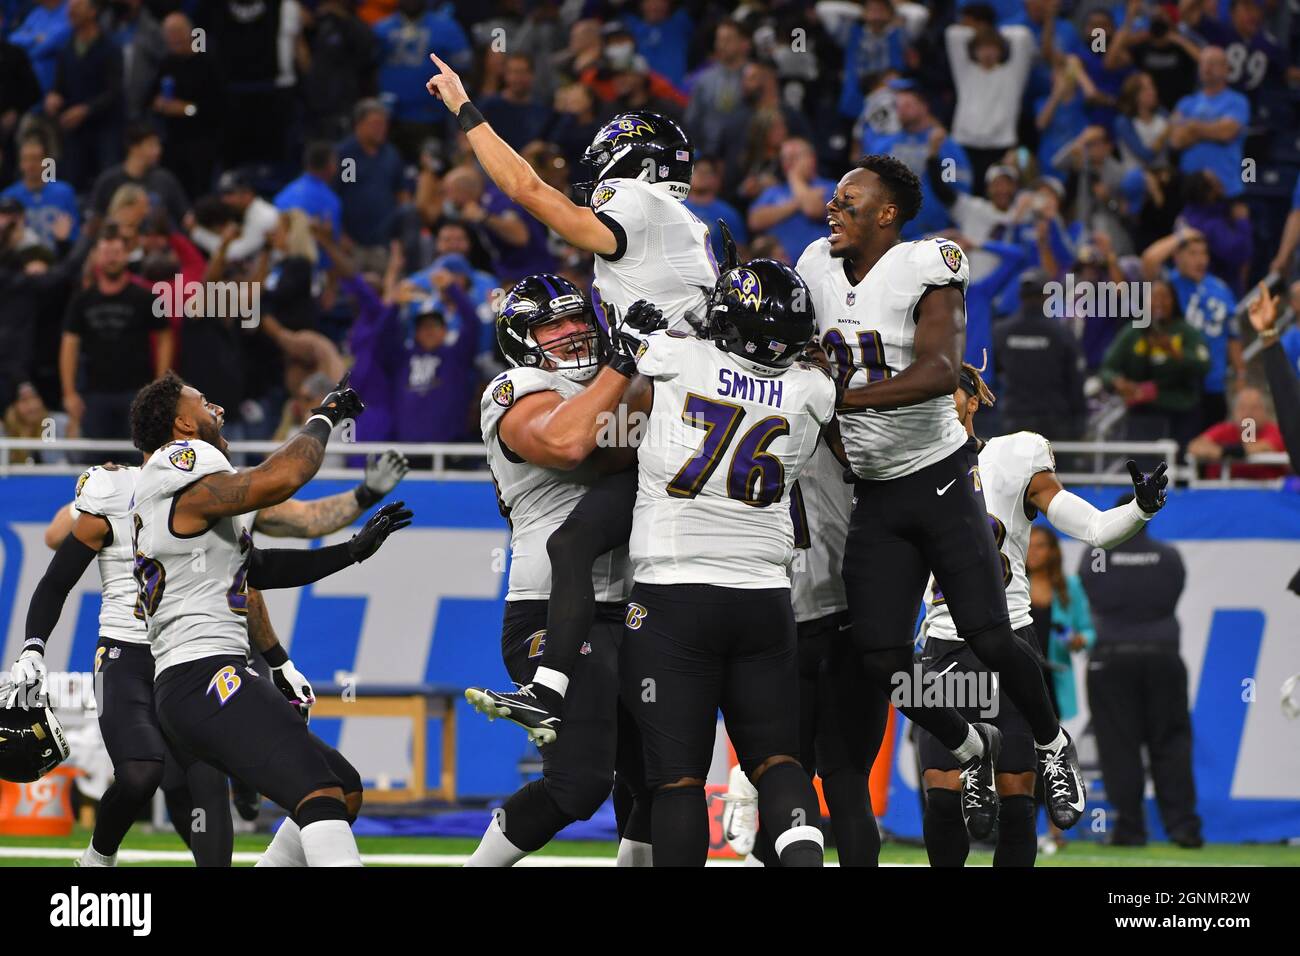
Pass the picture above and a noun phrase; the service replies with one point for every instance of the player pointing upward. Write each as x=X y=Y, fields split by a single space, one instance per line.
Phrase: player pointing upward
x=892 y=318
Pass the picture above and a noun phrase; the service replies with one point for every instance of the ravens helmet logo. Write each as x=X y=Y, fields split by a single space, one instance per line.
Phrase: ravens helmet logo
x=183 y=458
x=749 y=289
x=504 y=394
x=620 y=129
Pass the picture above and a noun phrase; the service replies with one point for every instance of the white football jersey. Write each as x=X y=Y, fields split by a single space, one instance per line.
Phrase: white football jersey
x=193 y=589
x=536 y=500
x=665 y=256
x=106 y=492
x=1006 y=466
x=869 y=331
x=720 y=450
x=820 y=505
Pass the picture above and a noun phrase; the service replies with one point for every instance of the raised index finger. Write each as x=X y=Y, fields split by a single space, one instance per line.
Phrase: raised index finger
x=442 y=66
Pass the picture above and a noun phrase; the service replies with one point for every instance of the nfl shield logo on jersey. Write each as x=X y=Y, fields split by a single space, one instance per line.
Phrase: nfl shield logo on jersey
x=183 y=458
x=851 y=298
x=504 y=394
x=951 y=257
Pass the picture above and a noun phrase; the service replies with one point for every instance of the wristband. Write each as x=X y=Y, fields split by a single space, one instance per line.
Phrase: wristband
x=469 y=117
x=366 y=496
x=35 y=644
x=276 y=656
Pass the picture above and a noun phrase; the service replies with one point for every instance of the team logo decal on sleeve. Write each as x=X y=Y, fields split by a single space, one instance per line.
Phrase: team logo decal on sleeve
x=504 y=394
x=642 y=349
x=81 y=483
x=183 y=458
x=601 y=196
x=951 y=257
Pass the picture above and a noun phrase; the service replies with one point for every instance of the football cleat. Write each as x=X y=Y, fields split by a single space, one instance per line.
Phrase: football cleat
x=92 y=857
x=740 y=816
x=1062 y=783
x=979 y=793
x=521 y=706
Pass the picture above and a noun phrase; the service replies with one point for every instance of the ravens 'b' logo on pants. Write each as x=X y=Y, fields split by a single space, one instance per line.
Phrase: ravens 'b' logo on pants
x=635 y=615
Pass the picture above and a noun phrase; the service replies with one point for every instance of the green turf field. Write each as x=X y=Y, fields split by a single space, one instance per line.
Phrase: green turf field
x=143 y=848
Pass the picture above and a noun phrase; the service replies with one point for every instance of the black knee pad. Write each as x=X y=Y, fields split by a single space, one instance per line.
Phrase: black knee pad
x=320 y=808
x=944 y=804
x=581 y=793
x=138 y=779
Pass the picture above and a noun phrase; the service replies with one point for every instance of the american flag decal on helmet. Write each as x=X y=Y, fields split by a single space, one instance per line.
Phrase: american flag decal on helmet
x=683 y=155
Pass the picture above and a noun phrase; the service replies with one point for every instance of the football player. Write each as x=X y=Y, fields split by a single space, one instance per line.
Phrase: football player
x=629 y=211
x=95 y=527
x=892 y=318
x=836 y=726
x=732 y=423
x=541 y=420
x=194 y=567
x=1017 y=474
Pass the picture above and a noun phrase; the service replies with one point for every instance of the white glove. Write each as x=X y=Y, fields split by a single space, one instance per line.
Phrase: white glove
x=383 y=472
x=29 y=669
x=1290 y=703
x=296 y=688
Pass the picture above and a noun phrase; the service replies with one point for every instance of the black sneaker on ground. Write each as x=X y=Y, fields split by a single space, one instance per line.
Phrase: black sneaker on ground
x=979 y=793
x=1062 y=784
x=525 y=706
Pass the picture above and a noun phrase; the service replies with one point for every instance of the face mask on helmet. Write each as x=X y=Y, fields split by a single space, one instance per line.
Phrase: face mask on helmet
x=527 y=331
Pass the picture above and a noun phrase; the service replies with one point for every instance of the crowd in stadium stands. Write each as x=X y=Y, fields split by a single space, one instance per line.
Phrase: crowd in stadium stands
x=1120 y=175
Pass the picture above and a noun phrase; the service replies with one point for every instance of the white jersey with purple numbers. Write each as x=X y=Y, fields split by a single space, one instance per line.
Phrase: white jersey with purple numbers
x=869 y=331
x=537 y=500
x=664 y=255
x=717 y=457
x=193 y=589
x=1006 y=466
x=106 y=492
x=820 y=505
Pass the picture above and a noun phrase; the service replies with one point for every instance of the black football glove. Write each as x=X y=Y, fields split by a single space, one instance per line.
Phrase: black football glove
x=391 y=517
x=1149 y=490
x=341 y=403
x=643 y=317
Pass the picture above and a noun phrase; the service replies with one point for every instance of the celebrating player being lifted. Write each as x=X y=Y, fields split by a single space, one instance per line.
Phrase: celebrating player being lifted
x=892 y=319
x=194 y=565
x=630 y=212
x=541 y=419
x=96 y=526
x=1018 y=478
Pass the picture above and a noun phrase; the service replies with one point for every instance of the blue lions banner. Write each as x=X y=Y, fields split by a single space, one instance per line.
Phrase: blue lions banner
x=427 y=609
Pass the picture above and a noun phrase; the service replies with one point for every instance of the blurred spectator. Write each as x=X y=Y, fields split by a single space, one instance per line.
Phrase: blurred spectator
x=143 y=150
x=1062 y=617
x=313 y=192
x=1225 y=226
x=990 y=69
x=405 y=41
x=1142 y=128
x=541 y=36
x=583 y=52
x=292 y=284
x=608 y=77
x=977 y=219
x=453 y=269
x=187 y=99
x=1286 y=247
x=105 y=356
x=373 y=185
x=257 y=218
x=1207 y=305
x=253 y=45
x=85 y=98
x=761 y=95
x=1161 y=51
x=45 y=199
x=1039 y=368
x=28 y=417
x=516 y=238
x=1209 y=126
x=1255 y=61
x=1094 y=179
x=716 y=91
x=919 y=141
x=662 y=37
x=873 y=44
x=576 y=123
x=19 y=92
x=338 y=60
x=132 y=27
x=1137 y=686
x=709 y=207
x=633 y=89
x=515 y=112
x=1159 y=371
x=1250 y=431
x=1106 y=74
x=794 y=211
x=41 y=36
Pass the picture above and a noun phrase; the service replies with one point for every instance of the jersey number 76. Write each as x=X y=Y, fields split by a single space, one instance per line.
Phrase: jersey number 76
x=755 y=475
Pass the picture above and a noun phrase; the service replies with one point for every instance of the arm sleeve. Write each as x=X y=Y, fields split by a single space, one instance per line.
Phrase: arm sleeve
x=1099 y=529
x=1286 y=400
x=66 y=568
x=295 y=567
